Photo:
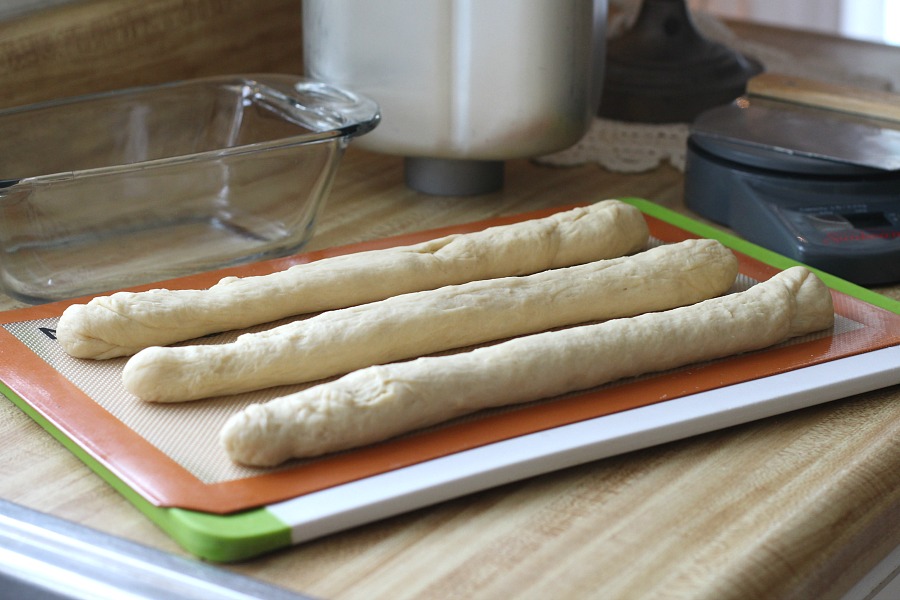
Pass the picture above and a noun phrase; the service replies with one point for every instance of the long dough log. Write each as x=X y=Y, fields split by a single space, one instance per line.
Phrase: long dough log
x=419 y=323
x=123 y=323
x=380 y=402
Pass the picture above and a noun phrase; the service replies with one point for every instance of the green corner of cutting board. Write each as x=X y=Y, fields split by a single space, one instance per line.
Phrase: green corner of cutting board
x=212 y=537
x=217 y=538
x=758 y=252
x=224 y=538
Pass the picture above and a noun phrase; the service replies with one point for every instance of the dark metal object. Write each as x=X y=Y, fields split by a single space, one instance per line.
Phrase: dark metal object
x=453 y=177
x=663 y=70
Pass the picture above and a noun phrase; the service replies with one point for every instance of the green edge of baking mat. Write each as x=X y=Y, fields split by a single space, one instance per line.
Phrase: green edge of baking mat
x=212 y=537
x=230 y=538
x=759 y=253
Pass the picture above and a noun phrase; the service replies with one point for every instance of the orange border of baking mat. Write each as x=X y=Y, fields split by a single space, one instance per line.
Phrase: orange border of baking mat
x=163 y=482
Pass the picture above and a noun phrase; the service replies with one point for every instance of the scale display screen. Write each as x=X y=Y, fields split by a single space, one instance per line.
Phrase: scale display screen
x=868 y=220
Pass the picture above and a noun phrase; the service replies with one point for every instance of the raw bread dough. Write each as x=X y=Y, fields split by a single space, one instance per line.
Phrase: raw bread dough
x=379 y=402
x=125 y=322
x=420 y=323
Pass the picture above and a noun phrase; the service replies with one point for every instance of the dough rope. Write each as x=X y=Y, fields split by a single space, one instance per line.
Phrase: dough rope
x=419 y=323
x=125 y=322
x=376 y=403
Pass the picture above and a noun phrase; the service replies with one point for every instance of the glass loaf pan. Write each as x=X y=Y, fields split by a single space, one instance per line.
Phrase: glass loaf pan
x=140 y=185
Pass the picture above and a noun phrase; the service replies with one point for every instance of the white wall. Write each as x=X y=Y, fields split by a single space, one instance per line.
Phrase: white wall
x=874 y=20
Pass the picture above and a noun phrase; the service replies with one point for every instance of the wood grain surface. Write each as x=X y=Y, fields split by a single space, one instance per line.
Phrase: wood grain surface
x=796 y=506
x=96 y=45
x=878 y=104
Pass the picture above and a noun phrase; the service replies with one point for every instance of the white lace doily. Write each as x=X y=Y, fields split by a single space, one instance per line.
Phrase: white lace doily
x=628 y=147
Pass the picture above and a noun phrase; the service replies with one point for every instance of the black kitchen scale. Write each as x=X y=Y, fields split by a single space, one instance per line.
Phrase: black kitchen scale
x=840 y=217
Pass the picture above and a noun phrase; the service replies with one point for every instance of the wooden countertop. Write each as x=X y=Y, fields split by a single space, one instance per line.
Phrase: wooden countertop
x=796 y=506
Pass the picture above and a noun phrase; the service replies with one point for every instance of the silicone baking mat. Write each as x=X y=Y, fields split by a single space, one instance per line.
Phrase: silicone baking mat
x=166 y=458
